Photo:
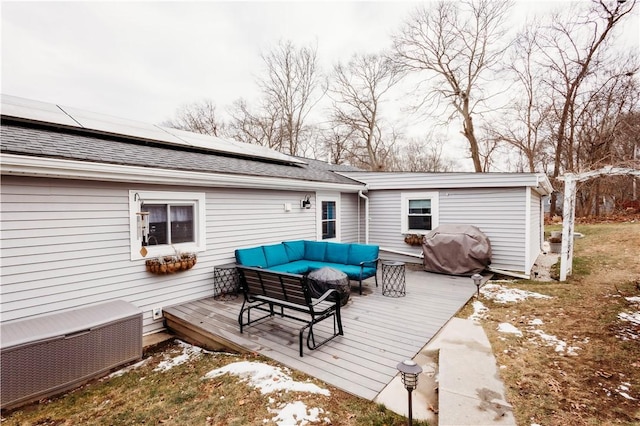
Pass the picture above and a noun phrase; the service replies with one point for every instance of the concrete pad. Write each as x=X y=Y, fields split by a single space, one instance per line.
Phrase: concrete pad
x=462 y=388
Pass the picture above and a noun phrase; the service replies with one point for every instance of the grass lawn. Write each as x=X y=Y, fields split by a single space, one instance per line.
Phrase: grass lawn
x=576 y=361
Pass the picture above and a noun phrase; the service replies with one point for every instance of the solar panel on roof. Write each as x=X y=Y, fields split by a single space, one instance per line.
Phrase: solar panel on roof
x=34 y=110
x=13 y=106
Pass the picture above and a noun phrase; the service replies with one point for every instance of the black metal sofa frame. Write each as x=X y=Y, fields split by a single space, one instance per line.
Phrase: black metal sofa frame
x=265 y=289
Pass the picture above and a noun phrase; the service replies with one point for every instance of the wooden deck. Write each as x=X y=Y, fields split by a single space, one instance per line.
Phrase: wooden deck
x=379 y=331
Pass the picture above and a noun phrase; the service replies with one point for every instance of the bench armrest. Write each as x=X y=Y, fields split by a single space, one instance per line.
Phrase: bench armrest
x=374 y=262
x=326 y=295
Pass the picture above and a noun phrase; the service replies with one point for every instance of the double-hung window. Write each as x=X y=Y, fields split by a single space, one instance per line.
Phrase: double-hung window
x=163 y=223
x=419 y=212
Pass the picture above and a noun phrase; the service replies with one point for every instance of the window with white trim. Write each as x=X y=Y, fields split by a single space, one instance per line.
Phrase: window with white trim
x=329 y=220
x=419 y=212
x=164 y=223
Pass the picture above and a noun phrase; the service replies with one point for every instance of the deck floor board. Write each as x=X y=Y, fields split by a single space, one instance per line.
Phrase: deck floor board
x=379 y=331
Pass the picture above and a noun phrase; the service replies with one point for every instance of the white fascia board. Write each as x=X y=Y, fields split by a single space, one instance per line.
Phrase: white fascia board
x=18 y=165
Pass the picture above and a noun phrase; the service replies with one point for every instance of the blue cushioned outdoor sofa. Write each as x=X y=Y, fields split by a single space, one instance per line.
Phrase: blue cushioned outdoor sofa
x=358 y=261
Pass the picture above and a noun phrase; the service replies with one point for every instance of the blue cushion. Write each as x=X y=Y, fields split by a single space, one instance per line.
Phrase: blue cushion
x=353 y=272
x=337 y=253
x=275 y=255
x=251 y=257
x=294 y=250
x=314 y=250
x=297 y=267
x=362 y=252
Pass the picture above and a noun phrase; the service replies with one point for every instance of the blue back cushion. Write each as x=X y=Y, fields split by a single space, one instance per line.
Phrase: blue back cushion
x=251 y=257
x=362 y=252
x=275 y=254
x=294 y=250
x=337 y=253
x=314 y=250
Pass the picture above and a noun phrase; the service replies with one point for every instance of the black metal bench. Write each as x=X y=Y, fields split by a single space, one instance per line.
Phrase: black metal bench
x=264 y=290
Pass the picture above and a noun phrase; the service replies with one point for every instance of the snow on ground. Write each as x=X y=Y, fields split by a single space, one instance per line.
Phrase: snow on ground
x=502 y=294
x=188 y=352
x=271 y=379
x=631 y=320
x=507 y=328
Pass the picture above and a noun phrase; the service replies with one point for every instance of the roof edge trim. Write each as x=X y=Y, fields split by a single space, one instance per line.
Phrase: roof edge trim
x=18 y=165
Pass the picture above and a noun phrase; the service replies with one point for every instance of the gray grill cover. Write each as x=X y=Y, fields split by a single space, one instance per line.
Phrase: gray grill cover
x=456 y=250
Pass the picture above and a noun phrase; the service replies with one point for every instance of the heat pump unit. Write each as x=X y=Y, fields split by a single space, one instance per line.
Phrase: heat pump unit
x=49 y=354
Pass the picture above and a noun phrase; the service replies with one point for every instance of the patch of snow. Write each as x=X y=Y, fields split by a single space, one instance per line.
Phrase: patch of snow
x=295 y=413
x=265 y=377
x=502 y=294
x=633 y=317
x=559 y=345
x=188 y=352
x=536 y=321
x=128 y=368
x=479 y=312
x=623 y=390
x=633 y=299
x=505 y=327
x=632 y=332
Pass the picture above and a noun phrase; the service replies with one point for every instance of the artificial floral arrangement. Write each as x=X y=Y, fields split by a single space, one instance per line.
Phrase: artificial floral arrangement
x=171 y=264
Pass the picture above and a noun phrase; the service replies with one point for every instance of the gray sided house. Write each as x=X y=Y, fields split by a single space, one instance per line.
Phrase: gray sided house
x=74 y=183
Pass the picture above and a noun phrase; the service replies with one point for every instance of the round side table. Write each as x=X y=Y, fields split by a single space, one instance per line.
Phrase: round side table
x=225 y=282
x=393 y=279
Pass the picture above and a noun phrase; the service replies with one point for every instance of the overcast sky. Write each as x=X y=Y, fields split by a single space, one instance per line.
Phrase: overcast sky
x=143 y=60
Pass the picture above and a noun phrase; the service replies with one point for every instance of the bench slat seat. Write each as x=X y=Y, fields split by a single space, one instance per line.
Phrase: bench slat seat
x=265 y=290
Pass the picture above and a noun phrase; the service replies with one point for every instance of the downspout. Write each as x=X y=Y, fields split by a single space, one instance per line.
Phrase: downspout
x=366 y=216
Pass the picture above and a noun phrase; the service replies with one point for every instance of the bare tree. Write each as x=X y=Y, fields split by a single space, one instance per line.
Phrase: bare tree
x=198 y=117
x=290 y=88
x=455 y=44
x=422 y=156
x=260 y=128
x=357 y=91
x=524 y=124
x=575 y=46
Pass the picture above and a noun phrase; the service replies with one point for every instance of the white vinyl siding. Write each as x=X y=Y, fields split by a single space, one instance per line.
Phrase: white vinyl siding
x=498 y=212
x=349 y=215
x=66 y=244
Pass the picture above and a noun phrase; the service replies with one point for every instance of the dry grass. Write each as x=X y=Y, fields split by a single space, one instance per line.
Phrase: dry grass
x=553 y=388
x=180 y=396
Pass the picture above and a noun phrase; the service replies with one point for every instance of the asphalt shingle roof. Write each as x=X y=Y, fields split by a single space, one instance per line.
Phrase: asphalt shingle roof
x=73 y=145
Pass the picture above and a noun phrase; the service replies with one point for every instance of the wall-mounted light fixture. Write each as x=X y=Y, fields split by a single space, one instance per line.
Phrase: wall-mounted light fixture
x=306 y=202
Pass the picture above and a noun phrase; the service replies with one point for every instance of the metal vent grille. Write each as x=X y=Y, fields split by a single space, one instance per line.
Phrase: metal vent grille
x=53 y=364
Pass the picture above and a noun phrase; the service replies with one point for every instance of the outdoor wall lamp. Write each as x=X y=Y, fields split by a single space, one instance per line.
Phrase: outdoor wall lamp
x=409 y=372
x=306 y=202
x=477 y=280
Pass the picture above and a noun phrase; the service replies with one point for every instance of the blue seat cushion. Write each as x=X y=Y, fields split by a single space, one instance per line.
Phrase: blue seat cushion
x=315 y=250
x=294 y=250
x=296 y=267
x=275 y=255
x=353 y=272
x=361 y=253
x=337 y=253
x=251 y=257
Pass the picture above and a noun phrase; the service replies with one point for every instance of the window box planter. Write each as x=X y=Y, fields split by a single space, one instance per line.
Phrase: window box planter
x=171 y=264
x=413 y=239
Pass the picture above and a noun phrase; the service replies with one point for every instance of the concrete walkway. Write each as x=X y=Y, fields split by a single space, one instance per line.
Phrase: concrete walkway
x=469 y=390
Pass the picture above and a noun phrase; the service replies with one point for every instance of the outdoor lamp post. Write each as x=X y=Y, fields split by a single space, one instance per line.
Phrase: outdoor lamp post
x=477 y=280
x=409 y=371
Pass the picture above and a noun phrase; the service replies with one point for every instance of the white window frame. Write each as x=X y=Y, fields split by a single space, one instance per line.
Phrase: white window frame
x=405 y=197
x=319 y=199
x=197 y=199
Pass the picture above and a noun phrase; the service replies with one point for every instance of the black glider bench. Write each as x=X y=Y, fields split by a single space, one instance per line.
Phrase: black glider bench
x=265 y=290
